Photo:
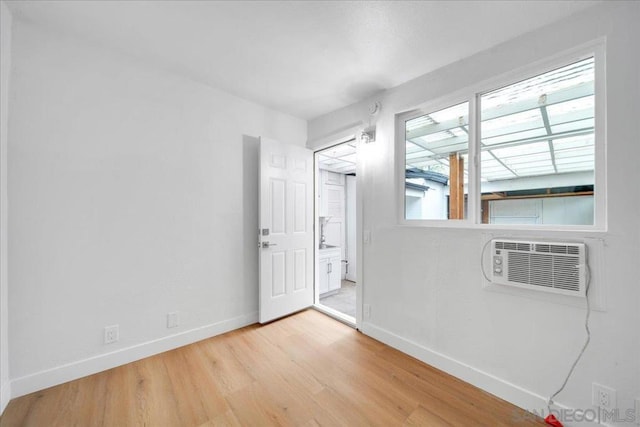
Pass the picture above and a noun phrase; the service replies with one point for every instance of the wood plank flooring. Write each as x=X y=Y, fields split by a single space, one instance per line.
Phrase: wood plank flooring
x=304 y=370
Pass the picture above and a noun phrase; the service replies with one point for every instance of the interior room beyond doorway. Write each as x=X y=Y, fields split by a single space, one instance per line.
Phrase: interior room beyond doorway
x=336 y=218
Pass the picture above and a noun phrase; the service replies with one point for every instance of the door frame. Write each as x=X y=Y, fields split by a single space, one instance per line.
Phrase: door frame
x=359 y=225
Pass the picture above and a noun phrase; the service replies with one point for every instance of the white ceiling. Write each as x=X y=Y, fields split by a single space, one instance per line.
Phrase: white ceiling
x=305 y=58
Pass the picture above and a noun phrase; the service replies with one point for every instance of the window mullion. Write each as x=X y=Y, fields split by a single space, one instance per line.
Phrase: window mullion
x=474 y=161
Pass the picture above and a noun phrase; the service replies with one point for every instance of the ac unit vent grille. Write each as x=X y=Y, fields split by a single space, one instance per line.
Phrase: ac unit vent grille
x=557 y=249
x=546 y=266
x=541 y=270
x=513 y=246
x=544 y=270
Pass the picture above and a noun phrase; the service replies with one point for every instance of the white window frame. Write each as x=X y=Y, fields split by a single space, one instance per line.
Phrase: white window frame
x=472 y=95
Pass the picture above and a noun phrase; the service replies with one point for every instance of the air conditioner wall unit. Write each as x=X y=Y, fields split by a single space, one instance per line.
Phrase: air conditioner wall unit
x=540 y=265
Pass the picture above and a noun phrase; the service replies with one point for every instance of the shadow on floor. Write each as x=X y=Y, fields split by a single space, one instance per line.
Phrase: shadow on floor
x=344 y=300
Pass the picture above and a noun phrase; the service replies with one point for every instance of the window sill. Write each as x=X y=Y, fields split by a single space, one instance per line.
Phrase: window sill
x=492 y=228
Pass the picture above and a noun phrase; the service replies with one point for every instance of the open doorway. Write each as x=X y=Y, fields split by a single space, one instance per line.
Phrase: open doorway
x=336 y=254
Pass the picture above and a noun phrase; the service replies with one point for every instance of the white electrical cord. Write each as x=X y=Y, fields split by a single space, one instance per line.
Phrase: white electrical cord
x=586 y=342
x=484 y=249
x=586 y=321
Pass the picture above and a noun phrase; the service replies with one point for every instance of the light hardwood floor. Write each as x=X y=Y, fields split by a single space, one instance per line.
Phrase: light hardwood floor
x=304 y=370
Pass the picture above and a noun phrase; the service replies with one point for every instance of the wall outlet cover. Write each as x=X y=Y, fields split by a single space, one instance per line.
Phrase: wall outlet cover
x=173 y=319
x=604 y=397
x=111 y=334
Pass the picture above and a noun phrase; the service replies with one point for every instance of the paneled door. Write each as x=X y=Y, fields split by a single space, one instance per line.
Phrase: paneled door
x=286 y=229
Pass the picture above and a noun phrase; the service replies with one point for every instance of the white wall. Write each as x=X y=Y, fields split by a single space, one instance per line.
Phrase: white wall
x=5 y=65
x=512 y=344
x=133 y=194
x=430 y=204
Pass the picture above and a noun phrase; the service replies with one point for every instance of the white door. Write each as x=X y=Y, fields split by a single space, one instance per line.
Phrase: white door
x=286 y=229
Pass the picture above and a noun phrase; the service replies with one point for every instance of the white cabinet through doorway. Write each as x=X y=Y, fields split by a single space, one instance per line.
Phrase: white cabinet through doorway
x=331 y=210
x=329 y=267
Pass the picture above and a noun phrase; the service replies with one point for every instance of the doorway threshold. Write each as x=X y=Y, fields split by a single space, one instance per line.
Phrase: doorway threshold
x=341 y=317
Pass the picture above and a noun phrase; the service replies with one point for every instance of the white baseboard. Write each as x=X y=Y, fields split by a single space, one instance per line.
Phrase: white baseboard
x=512 y=393
x=5 y=395
x=82 y=368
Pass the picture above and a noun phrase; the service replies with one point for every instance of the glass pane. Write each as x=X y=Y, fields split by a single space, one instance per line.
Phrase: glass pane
x=537 y=149
x=436 y=157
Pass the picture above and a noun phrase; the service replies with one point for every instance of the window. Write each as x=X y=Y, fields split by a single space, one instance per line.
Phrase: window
x=437 y=147
x=535 y=150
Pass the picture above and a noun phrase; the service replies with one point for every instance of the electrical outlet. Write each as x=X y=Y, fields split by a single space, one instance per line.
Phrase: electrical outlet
x=604 y=397
x=367 y=311
x=173 y=319
x=111 y=334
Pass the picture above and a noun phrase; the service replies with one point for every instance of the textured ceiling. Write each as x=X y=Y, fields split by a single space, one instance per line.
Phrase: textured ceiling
x=305 y=58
